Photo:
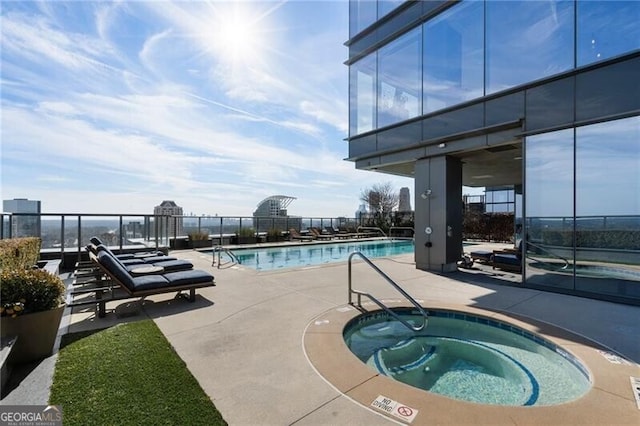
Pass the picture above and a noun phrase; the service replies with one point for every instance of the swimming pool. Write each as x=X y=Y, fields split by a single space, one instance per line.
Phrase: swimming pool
x=274 y=258
x=469 y=358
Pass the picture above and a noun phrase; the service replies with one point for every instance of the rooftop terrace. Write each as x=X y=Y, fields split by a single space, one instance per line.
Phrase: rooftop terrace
x=247 y=343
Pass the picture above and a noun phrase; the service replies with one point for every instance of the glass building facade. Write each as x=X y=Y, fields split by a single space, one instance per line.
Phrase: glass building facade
x=539 y=95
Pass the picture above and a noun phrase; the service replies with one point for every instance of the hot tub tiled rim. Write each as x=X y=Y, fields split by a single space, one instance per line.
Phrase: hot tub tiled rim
x=324 y=347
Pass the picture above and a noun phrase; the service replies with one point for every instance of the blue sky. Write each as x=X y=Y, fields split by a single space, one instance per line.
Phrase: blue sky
x=112 y=107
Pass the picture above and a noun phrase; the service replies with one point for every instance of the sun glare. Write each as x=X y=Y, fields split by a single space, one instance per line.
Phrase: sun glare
x=237 y=39
x=239 y=33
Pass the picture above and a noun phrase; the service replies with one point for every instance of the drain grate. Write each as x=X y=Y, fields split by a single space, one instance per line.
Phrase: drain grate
x=635 y=388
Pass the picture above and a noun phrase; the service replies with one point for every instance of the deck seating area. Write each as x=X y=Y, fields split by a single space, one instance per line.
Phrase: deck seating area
x=509 y=259
x=106 y=277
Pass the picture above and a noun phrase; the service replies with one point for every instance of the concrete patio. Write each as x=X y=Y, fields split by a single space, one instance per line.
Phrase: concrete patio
x=244 y=340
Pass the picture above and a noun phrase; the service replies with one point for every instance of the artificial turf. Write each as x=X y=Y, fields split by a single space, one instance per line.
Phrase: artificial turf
x=127 y=374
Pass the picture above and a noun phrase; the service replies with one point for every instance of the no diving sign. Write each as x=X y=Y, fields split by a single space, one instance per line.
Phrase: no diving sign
x=394 y=408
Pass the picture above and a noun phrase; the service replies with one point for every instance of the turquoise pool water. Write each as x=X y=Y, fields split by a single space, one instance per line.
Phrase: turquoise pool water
x=469 y=358
x=274 y=258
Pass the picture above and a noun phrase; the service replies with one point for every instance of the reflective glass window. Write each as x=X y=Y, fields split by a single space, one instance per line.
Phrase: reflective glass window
x=608 y=207
x=386 y=6
x=527 y=40
x=362 y=13
x=454 y=56
x=400 y=79
x=606 y=29
x=362 y=89
x=549 y=208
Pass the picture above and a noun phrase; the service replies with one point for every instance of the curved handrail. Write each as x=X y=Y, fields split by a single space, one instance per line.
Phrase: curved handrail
x=549 y=252
x=220 y=250
x=379 y=303
x=407 y=228
x=371 y=228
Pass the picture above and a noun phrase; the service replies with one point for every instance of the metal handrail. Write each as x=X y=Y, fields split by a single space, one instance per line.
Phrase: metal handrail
x=409 y=228
x=425 y=317
x=371 y=228
x=557 y=256
x=219 y=250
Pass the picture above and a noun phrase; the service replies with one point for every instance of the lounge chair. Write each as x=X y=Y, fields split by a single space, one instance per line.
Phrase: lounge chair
x=346 y=233
x=482 y=256
x=169 y=264
x=97 y=242
x=319 y=235
x=295 y=235
x=122 y=284
x=508 y=259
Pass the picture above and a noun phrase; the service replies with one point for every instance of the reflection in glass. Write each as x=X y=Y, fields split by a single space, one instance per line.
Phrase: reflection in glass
x=454 y=56
x=362 y=89
x=362 y=13
x=527 y=40
x=399 y=79
x=549 y=209
x=606 y=29
x=386 y=6
x=608 y=207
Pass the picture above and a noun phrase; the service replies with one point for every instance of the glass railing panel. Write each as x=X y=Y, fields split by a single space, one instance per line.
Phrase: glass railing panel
x=51 y=232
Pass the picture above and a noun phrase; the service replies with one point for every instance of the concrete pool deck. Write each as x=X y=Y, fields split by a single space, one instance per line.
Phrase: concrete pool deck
x=245 y=341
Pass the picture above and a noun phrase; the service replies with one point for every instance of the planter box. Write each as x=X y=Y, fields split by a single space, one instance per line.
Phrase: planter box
x=199 y=243
x=179 y=243
x=36 y=334
x=246 y=240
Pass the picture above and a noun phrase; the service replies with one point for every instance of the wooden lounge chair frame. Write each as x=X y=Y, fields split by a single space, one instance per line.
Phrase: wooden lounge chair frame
x=295 y=235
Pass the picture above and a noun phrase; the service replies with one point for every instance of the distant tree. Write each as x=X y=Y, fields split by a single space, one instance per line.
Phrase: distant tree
x=381 y=198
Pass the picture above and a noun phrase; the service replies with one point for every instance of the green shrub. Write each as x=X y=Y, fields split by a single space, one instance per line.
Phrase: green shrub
x=24 y=291
x=199 y=236
x=247 y=232
x=19 y=253
x=274 y=232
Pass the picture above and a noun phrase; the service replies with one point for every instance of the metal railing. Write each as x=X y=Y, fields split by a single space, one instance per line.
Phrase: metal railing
x=402 y=228
x=371 y=228
x=218 y=250
x=70 y=232
x=549 y=253
x=378 y=302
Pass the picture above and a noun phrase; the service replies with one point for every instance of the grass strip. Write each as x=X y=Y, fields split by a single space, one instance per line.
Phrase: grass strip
x=127 y=374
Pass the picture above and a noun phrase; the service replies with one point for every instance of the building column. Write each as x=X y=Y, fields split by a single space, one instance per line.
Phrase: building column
x=438 y=213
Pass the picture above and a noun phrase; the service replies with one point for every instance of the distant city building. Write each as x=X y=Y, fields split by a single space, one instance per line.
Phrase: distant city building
x=174 y=225
x=362 y=211
x=404 y=200
x=271 y=213
x=24 y=226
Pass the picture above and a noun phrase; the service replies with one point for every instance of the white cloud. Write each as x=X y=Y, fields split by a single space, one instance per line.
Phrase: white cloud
x=139 y=107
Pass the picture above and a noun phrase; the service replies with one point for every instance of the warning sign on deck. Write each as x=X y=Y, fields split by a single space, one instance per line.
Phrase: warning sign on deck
x=394 y=408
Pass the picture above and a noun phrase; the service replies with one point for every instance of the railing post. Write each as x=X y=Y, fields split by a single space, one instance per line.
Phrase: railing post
x=121 y=229
x=62 y=237
x=79 y=239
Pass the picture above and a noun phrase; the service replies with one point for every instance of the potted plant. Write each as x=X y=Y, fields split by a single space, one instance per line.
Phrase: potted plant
x=199 y=239
x=274 y=235
x=31 y=310
x=246 y=236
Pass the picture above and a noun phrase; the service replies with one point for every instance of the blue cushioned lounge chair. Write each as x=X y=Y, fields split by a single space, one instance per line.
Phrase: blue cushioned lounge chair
x=97 y=242
x=123 y=284
x=170 y=264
